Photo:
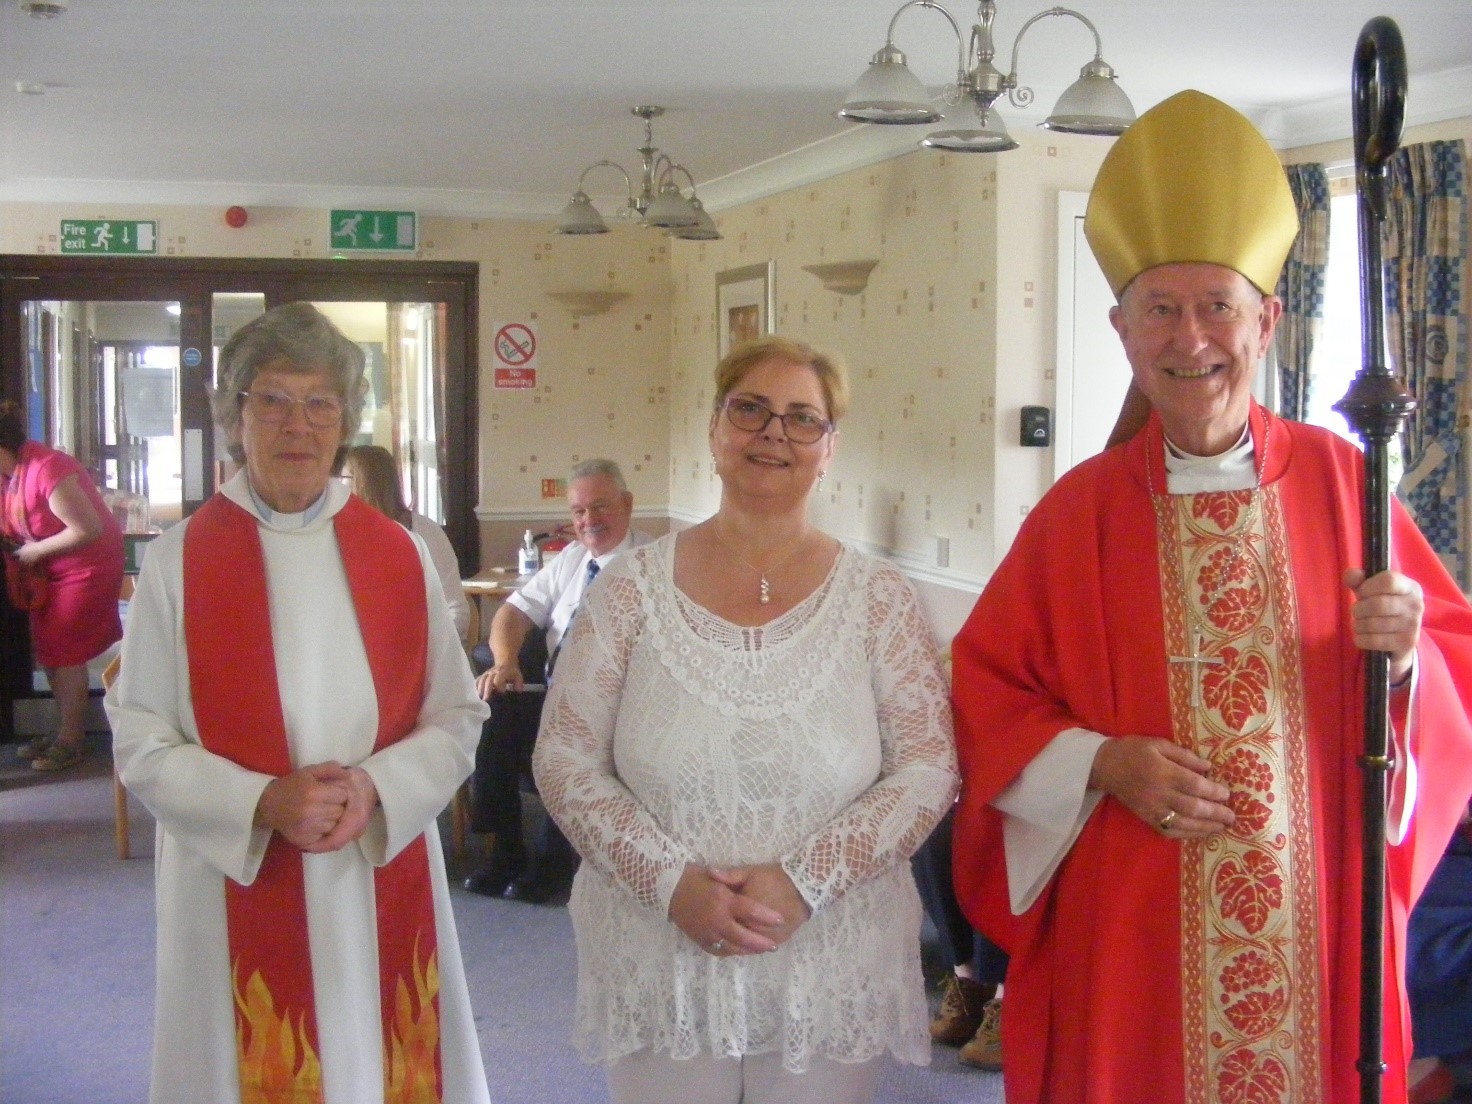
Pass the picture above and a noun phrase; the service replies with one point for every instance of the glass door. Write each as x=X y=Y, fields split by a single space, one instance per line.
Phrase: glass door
x=113 y=360
x=400 y=343
x=103 y=383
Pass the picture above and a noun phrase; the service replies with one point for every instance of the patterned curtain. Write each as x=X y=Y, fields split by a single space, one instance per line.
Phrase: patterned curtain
x=1301 y=287
x=1426 y=303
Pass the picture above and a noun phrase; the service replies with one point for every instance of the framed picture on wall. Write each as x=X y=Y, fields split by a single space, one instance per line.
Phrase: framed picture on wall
x=745 y=306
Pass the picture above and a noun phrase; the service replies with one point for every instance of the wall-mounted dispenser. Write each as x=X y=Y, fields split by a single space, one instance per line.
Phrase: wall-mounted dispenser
x=1037 y=426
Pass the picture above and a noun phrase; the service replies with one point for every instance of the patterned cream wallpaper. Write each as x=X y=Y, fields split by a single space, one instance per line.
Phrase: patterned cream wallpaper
x=602 y=380
x=914 y=456
x=965 y=283
x=952 y=334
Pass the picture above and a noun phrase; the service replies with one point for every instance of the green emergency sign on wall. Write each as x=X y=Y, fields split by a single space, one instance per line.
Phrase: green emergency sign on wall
x=379 y=230
x=108 y=236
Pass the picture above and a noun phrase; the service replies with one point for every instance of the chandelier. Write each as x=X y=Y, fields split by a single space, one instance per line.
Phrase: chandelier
x=888 y=92
x=660 y=201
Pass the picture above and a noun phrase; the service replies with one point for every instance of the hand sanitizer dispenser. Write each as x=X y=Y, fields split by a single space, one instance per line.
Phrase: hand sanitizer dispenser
x=529 y=559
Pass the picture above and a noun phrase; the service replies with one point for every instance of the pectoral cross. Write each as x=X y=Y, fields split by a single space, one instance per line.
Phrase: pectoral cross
x=1197 y=661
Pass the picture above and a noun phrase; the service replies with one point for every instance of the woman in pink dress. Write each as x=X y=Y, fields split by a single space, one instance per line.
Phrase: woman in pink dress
x=64 y=553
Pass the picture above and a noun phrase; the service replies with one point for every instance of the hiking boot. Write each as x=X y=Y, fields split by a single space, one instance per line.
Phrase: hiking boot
x=984 y=1051
x=961 y=1005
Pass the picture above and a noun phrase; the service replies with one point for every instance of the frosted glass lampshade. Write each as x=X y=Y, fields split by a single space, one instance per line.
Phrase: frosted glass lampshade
x=580 y=217
x=887 y=92
x=1093 y=104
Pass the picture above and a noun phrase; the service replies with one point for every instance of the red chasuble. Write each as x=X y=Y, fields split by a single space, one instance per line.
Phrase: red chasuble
x=227 y=628
x=1225 y=970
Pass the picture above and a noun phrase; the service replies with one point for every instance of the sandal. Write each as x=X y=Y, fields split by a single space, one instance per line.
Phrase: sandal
x=58 y=757
x=34 y=748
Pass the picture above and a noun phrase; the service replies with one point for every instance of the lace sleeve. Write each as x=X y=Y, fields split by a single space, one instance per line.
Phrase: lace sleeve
x=918 y=778
x=573 y=761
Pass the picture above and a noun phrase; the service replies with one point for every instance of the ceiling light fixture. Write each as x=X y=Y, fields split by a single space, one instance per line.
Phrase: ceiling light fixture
x=889 y=93
x=660 y=202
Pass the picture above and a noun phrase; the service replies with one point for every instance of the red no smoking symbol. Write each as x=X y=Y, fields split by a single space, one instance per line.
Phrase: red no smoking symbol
x=515 y=344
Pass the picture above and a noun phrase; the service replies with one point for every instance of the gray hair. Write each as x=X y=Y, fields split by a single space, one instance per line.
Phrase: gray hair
x=303 y=337
x=599 y=467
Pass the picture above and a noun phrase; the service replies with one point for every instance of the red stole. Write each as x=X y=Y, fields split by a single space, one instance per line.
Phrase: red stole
x=227 y=628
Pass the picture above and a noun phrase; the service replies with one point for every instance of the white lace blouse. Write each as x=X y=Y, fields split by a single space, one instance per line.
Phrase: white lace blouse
x=821 y=740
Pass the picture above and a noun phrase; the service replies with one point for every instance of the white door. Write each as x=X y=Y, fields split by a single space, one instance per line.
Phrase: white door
x=1092 y=373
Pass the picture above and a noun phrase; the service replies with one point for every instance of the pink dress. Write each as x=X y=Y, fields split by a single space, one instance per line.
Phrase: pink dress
x=80 y=619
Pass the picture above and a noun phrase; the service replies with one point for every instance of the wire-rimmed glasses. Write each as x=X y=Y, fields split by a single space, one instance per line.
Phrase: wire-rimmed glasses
x=274 y=407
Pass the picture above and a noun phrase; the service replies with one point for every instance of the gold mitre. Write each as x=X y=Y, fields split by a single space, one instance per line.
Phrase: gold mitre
x=1191 y=180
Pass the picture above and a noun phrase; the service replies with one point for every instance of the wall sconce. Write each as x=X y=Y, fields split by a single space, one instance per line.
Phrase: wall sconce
x=582 y=303
x=844 y=277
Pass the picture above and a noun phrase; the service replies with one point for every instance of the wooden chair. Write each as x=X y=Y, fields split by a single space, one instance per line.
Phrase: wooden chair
x=119 y=794
x=460 y=819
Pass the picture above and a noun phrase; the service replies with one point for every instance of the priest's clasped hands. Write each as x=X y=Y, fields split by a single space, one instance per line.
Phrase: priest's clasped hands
x=319 y=808
x=1171 y=788
x=743 y=910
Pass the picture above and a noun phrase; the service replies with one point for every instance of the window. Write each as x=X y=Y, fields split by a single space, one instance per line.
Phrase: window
x=1338 y=353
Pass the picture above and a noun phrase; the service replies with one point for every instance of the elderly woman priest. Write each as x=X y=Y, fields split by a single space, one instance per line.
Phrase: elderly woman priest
x=748 y=737
x=295 y=709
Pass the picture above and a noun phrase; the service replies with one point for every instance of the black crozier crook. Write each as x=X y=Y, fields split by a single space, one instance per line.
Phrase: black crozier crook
x=1375 y=407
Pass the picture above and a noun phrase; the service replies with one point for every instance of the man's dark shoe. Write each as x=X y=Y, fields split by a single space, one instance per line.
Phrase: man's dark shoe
x=493 y=879
x=540 y=886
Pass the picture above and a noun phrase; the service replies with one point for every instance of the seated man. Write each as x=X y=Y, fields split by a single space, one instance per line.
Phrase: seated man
x=601 y=508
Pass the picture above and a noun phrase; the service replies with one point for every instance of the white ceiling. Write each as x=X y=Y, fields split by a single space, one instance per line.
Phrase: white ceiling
x=491 y=107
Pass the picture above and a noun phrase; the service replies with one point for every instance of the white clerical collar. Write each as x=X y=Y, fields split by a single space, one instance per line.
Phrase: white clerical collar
x=1232 y=470
x=286 y=522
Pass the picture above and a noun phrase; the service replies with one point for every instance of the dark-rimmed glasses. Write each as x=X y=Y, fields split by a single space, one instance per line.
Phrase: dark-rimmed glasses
x=273 y=407
x=802 y=427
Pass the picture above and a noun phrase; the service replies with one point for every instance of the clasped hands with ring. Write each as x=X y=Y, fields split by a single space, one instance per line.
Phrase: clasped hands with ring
x=737 y=911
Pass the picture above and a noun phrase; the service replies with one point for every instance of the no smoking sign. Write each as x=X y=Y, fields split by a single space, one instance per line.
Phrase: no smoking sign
x=514 y=348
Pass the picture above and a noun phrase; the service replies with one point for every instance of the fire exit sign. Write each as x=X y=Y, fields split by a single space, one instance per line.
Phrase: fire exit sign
x=380 y=230
x=108 y=236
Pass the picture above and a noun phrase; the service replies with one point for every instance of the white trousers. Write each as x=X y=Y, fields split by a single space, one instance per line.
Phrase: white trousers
x=648 y=1078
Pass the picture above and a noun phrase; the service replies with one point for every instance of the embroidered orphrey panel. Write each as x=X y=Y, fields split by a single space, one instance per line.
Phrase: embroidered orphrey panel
x=1249 y=932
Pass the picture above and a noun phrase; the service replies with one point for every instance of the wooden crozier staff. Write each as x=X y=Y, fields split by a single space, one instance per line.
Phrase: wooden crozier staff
x=1375 y=407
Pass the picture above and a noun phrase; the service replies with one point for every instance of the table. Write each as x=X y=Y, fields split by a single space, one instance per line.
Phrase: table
x=491 y=585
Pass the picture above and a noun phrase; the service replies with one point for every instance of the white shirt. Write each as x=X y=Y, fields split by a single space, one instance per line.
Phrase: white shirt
x=551 y=596
x=446 y=566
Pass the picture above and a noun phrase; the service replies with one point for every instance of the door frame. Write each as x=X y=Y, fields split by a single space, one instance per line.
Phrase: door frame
x=193 y=282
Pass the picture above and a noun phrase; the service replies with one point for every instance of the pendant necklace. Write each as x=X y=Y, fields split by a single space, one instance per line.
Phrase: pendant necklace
x=764 y=591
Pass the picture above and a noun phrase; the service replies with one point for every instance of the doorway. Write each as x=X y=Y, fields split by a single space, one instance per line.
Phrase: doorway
x=113 y=359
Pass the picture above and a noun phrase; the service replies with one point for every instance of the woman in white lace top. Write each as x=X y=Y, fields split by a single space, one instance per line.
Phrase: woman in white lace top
x=748 y=736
